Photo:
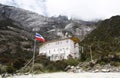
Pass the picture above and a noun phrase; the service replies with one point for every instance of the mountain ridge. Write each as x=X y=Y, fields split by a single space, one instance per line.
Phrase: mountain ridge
x=105 y=41
x=17 y=31
x=38 y=23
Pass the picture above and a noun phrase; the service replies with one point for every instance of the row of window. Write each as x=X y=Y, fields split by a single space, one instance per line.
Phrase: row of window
x=59 y=42
x=57 y=57
x=61 y=49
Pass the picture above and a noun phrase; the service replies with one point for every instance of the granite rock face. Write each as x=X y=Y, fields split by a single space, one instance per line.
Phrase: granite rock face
x=58 y=27
x=23 y=17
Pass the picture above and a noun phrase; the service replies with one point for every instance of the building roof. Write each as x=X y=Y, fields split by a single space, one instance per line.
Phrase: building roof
x=74 y=39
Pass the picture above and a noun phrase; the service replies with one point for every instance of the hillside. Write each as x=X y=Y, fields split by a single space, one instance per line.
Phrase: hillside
x=17 y=29
x=104 y=41
x=15 y=45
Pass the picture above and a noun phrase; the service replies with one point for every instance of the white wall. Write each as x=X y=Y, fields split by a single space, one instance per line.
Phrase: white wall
x=61 y=48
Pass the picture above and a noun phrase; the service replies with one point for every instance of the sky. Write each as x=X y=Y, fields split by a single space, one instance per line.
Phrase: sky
x=78 y=9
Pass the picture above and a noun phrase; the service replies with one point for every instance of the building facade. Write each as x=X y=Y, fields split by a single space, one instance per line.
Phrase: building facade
x=60 y=49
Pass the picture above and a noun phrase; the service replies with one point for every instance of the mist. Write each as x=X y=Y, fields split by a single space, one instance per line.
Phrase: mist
x=78 y=9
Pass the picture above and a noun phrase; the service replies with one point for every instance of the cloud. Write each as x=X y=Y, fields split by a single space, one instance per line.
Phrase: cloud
x=80 y=9
x=84 y=9
x=33 y=5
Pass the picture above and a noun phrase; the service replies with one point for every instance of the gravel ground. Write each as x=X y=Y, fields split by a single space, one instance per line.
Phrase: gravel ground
x=70 y=75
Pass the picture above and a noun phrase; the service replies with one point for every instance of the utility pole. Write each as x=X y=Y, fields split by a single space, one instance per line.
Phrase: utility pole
x=82 y=49
x=91 y=53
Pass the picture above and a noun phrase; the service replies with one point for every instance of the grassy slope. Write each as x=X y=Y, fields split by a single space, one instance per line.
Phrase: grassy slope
x=104 y=41
x=15 y=46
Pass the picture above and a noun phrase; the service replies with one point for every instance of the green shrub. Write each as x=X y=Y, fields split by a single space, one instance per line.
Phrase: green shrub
x=60 y=65
x=115 y=63
x=2 y=69
x=18 y=63
x=102 y=63
x=72 y=62
x=24 y=70
x=51 y=67
x=38 y=68
x=10 y=69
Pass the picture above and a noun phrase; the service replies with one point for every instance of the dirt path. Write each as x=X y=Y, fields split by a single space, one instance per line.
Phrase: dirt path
x=71 y=75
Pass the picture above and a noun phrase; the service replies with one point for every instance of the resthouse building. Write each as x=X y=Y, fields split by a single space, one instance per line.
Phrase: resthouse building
x=60 y=49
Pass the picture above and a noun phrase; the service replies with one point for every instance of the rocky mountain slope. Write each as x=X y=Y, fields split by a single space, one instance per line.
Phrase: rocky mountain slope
x=17 y=29
x=56 y=26
x=104 y=41
x=14 y=42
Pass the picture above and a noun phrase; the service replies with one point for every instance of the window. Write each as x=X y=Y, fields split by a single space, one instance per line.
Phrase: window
x=57 y=43
x=66 y=48
x=49 y=51
x=74 y=45
x=60 y=42
x=60 y=49
x=67 y=41
x=64 y=52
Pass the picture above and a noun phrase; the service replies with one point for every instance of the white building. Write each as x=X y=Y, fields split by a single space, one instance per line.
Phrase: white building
x=60 y=49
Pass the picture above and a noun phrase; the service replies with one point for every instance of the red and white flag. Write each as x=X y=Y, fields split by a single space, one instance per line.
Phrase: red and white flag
x=39 y=37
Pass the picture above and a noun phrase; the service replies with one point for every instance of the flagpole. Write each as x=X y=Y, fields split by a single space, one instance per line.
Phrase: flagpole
x=40 y=38
x=33 y=57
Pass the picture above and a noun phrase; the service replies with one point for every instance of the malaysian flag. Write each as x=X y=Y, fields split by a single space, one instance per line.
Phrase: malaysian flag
x=39 y=37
